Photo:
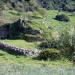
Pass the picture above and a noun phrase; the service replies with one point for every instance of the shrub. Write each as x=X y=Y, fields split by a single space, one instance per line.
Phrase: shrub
x=73 y=58
x=62 y=17
x=44 y=45
x=67 y=41
x=51 y=54
x=1 y=54
x=51 y=44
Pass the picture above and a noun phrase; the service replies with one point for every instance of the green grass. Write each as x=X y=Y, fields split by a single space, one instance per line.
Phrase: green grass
x=41 y=22
x=12 y=59
x=8 y=58
x=21 y=65
x=48 y=20
x=17 y=69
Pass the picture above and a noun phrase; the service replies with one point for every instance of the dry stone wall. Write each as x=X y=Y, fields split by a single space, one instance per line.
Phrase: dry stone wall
x=19 y=51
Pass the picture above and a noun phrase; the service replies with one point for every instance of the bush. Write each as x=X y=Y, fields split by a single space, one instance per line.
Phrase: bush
x=67 y=41
x=51 y=44
x=62 y=17
x=44 y=45
x=73 y=58
x=51 y=54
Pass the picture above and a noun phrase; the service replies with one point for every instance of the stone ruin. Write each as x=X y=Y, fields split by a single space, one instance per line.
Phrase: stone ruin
x=19 y=51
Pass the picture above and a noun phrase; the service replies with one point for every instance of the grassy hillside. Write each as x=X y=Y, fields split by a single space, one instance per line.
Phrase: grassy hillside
x=50 y=28
x=41 y=21
x=44 y=22
x=6 y=58
x=59 y=35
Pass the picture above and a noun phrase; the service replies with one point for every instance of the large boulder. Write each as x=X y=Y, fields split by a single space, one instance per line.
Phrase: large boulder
x=62 y=17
